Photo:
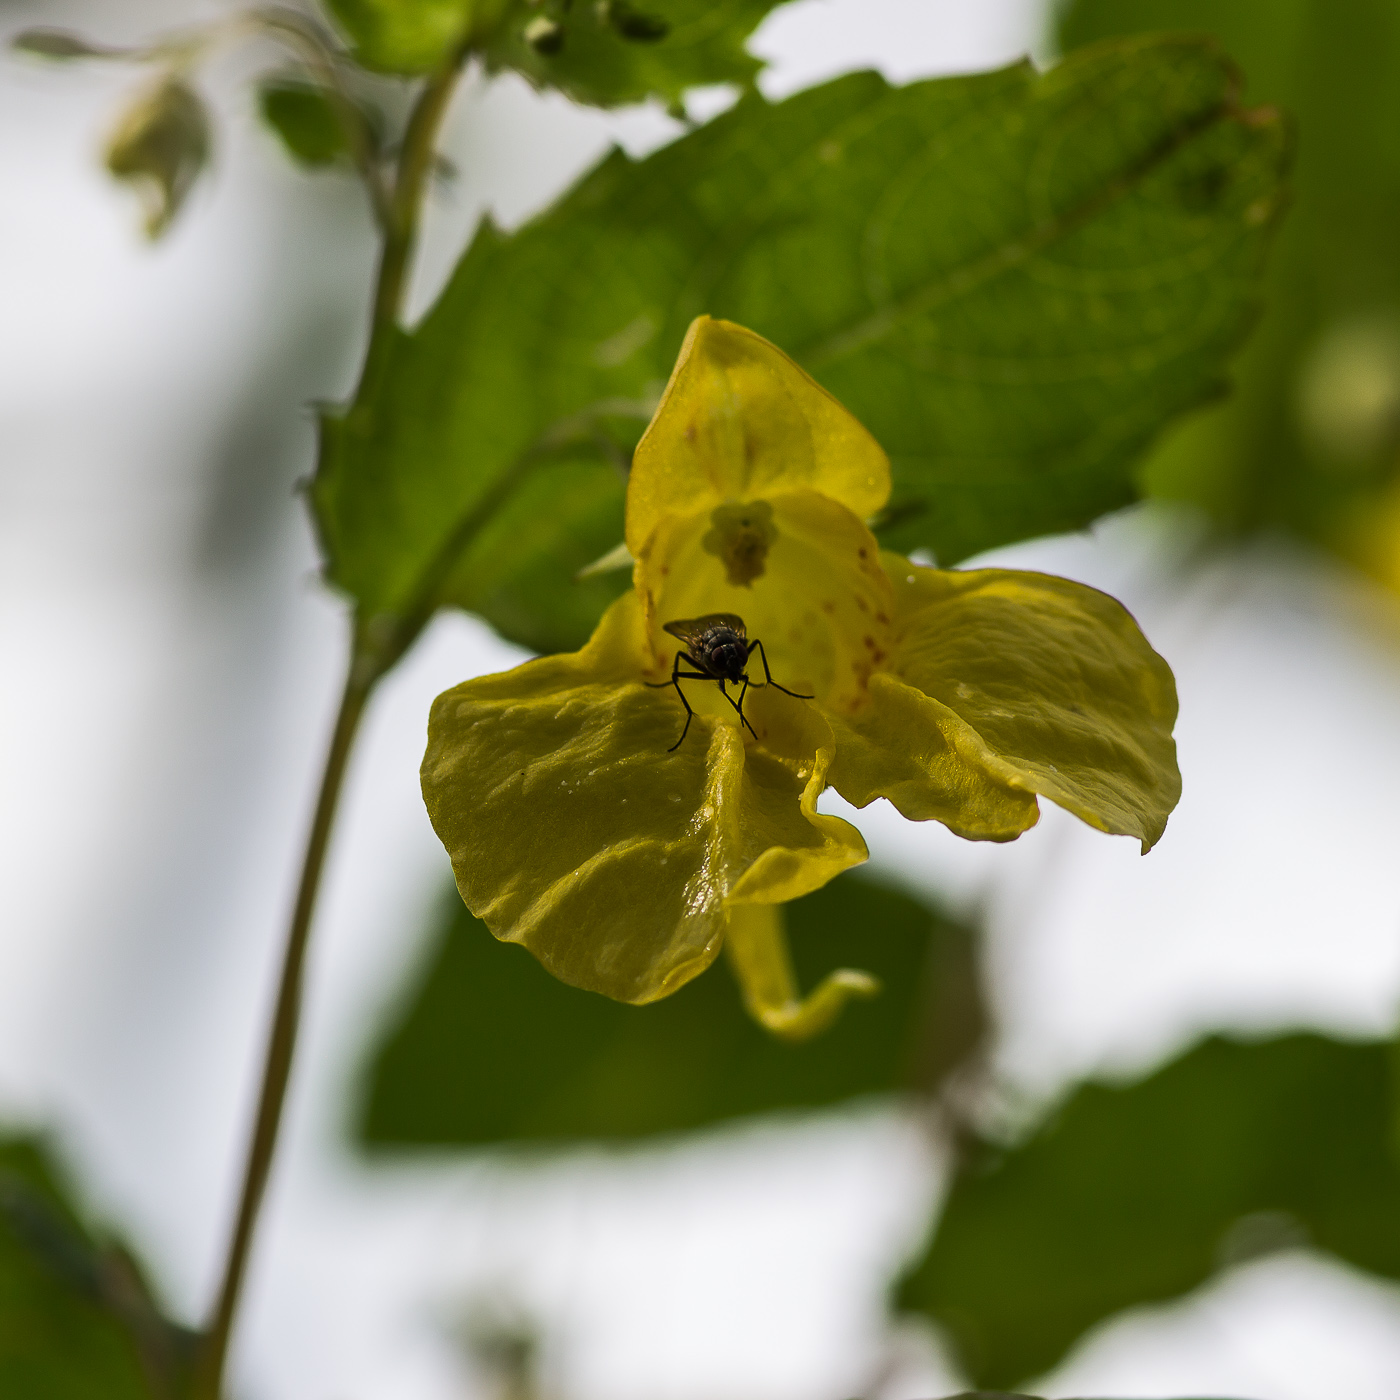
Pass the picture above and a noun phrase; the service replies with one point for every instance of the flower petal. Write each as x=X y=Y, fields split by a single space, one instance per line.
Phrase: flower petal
x=574 y=831
x=756 y=942
x=906 y=747
x=739 y=421
x=1043 y=685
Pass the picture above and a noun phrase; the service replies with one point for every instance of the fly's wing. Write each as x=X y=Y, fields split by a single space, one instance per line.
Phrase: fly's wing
x=691 y=629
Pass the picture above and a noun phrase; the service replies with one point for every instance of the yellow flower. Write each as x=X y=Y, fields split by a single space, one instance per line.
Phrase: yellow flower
x=623 y=861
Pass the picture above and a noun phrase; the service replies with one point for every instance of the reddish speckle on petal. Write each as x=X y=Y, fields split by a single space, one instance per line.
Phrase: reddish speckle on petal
x=862 y=552
x=828 y=607
x=862 y=604
x=882 y=619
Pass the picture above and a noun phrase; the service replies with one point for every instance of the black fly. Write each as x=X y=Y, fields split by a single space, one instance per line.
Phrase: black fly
x=717 y=646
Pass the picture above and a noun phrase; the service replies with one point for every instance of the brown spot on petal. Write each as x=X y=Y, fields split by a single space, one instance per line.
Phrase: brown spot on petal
x=862 y=604
x=882 y=619
x=828 y=607
x=740 y=536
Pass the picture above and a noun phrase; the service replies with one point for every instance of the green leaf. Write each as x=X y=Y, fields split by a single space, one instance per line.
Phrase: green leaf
x=614 y=52
x=159 y=147
x=76 y=1316
x=494 y=1050
x=1138 y=1193
x=1311 y=437
x=304 y=117
x=409 y=36
x=1014 y=280
x=61 y=44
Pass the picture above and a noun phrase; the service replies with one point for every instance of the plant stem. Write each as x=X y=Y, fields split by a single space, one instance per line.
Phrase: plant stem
x=405 y=209
x=282 y=1040
x=367 y=665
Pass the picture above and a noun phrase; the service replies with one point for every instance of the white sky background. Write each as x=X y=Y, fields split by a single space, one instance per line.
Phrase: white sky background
x=170 y=668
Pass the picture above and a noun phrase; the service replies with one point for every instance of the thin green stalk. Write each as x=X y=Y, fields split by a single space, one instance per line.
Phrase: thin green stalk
x=367 y=665
x=405 y=210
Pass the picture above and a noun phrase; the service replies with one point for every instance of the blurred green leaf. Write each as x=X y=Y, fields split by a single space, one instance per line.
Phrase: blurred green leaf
x=1138 y=1193
x=610 y=51
x=1311 y=437
x=1013 y=279
x=76 y=1316
x=61 y=44
x=410 y=36
x=304 y=117
x=495 y=1050
x=159 y=146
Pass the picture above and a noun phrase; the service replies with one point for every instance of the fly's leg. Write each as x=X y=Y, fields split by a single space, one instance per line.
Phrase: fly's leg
x=739 y=705
x=677 y=676
x=768 y=675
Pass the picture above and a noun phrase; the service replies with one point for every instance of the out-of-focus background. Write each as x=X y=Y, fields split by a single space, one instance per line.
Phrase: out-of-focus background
x=170 y=669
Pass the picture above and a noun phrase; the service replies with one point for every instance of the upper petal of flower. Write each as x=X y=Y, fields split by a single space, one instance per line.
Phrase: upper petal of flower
x=740 y=421
x=574 y=831
x=1033 y=684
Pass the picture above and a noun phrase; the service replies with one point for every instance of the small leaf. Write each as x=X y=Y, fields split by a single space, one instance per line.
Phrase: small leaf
x=407 y=36
x=160 y=146
x=608 y=52
x=494 y=1050
x=1138 y=1193
x=60 y=44
x=306 y=120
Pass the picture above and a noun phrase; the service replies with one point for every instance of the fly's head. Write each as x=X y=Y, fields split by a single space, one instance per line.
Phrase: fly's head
x=724 y=653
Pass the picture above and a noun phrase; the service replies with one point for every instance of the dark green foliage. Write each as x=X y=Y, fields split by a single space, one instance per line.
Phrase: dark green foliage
x=76 y=1317
x=1138 y=1193
x=494 y=1050
x=306 y=121
x=1013 y=279
x=1265 y=454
